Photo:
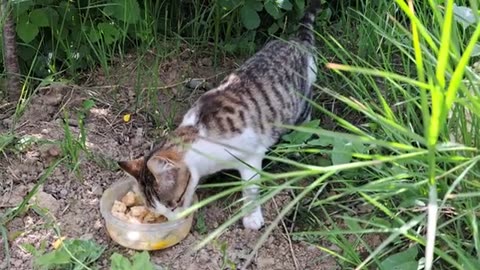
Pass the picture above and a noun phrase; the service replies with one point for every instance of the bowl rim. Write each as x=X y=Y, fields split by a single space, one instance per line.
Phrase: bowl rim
x=110 y=218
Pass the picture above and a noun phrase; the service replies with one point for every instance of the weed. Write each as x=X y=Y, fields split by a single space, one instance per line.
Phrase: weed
x=73 y=146
x=200 y=225
x=69 y=254
x=139 y=261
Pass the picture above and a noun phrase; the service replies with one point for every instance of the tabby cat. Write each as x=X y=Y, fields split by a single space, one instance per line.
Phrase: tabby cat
x=233 y=125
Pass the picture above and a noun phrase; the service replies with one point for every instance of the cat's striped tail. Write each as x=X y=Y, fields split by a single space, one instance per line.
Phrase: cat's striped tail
x=305 y=33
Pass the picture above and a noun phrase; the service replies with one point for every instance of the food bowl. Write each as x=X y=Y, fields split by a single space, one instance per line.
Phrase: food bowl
x=141 y=236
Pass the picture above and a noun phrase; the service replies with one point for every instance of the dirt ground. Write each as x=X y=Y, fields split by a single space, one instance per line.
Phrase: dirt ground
x=74 y=202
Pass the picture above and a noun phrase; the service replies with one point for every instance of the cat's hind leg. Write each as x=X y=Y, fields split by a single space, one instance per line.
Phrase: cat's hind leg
x=254 y=219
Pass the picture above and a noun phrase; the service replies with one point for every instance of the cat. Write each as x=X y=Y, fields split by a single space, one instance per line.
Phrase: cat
x=233 y=125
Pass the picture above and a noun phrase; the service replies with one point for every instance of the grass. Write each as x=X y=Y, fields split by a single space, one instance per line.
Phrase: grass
x=405 y=68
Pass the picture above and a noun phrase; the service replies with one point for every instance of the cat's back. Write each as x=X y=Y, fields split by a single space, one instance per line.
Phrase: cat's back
x=258 y=96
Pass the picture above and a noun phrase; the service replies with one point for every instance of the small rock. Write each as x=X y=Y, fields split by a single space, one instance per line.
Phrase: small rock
x=207 y=62
x=97 y=190
x=53 y=100
x=63 y=193
x=73 y=122
x=263 y=262
x=14 y=200
x=8 y=122
x=98 y=224
x=45 y=200
x=138 y=139
x=87 y=236
x=191 y=267
x=16 y=262
x=195 y=83
x=16 y=196
x=54 y=151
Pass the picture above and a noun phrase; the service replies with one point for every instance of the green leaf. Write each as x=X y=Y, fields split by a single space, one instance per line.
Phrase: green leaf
x=299 y=137
x=94 y=35
x=464 y=15
x=342 y=151
x=88 y=104
x=27 y=31
x=273 y=28
x=273 y=10
x=109 y=32
x=141 y=261
x=52 y=16
x=118 y=262
x=254 y=4
x=250 y=18
x=85 y=251
x=322 y=141
x=124 y=10
x=39 y=17
x=404 y=260
x=70 y=15
x=56 y=257
x=30 y=249
x=20 y=8
x=300 y=8
x=476 y=50
x=285 y=4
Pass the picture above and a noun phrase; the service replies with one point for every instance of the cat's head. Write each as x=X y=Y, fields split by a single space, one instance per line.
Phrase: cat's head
x=162 y=179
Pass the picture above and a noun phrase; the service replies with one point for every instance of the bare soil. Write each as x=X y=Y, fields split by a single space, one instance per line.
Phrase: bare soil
x=74 y=201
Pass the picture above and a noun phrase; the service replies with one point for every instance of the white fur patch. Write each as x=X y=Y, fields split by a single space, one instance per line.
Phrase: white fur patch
x=190 y=118
x=254 y=220
x=206 y=157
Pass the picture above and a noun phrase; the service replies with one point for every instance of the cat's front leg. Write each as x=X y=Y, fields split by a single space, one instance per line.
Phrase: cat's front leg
x=189 y=192
x=254 y=219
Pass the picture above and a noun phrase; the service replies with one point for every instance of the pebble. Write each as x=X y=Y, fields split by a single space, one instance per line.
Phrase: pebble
x=45 y=200
x=87 y=236
x=8 y=122
x=63 y=193
x=195 y=83
x=207 y=61
x=16 y=262
x=98 y=224
x=264 y=262
x=16 y=196
x=138 y=139
x=97 y=190
x=53 y=99
x=54 y=151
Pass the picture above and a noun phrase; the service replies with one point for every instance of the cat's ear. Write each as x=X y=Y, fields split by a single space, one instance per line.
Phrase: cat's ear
x=163 y=170
x=132 y=167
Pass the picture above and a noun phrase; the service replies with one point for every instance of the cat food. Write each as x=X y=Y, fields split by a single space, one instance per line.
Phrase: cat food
x=129 y=199
x=130 y=209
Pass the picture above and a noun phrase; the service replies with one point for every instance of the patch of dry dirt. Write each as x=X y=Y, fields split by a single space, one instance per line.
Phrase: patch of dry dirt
x=74 y=202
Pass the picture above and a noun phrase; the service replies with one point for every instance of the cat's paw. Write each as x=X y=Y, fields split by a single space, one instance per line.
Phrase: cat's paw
x=254 y=220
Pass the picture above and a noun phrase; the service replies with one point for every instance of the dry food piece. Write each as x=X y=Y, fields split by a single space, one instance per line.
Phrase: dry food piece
x=129 y=199
x=119 y=209
x=133 y=219
x=138 y=211
x=154 y=218
x=130 y=209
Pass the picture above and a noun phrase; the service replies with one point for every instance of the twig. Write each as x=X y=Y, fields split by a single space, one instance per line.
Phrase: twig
x=295 y=261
